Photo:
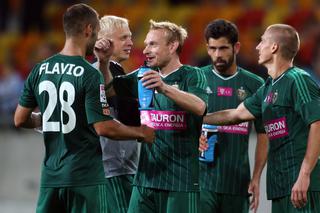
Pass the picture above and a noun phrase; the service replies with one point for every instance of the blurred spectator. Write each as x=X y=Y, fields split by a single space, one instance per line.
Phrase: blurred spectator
x=10 y=88
x=32 y=18
x=4 y=10
x=314 y=67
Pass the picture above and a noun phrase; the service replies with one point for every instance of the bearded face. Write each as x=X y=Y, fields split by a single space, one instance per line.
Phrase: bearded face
x=222 y=54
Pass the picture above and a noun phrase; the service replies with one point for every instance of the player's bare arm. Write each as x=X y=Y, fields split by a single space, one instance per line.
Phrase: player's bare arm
x=24 y=117
x=113 y=129
x=103 y=51
x=300 y=188
x=261 y=156
x=229 y=116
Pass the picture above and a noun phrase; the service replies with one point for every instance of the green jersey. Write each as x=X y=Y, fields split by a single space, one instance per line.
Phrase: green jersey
x=230 y=171
x=70 y=95
x=287 y=106
x=171 y=163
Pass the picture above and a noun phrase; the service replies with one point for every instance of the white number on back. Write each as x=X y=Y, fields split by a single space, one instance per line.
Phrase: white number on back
x=54 y=126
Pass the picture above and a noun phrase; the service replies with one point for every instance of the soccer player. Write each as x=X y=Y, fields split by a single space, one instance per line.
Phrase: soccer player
x=167 y=179
x=71 y=98
x=120 y=158
x=288 y=104
x=224 y=183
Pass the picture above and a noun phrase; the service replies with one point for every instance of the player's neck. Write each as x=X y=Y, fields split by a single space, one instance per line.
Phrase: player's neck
x=172 y=66
x=73 y=47
x=278 y=67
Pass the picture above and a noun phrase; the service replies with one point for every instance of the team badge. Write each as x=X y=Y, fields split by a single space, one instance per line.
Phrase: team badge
x=175 y=85
x=275 y=97
x=242 y=94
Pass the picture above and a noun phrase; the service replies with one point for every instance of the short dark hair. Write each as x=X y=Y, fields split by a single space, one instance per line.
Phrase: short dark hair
x=77 y=17
x=222 y=28
x=287 y=38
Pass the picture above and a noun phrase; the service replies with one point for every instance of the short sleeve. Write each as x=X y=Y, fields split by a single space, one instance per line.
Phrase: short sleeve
x=306 y=96
x=97 y=108
x=27 y=98
x=253 y=103
x=197 y=84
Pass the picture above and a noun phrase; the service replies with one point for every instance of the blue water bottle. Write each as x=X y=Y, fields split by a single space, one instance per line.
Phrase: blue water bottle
x=210 y=131
x=145 y=95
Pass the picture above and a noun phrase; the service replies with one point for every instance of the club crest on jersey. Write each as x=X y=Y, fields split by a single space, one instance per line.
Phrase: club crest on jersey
x=275 y=97
x=175 y=85
x=271 y=97
x=103 y=98
x=242 y=94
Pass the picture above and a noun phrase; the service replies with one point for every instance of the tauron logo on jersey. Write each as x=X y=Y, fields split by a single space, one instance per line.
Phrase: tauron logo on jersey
x=241 y=129
x=224 y=91
x=164 y=120
x=271 y=97
x=103 y=98
x=276 y=128
x=242 y=94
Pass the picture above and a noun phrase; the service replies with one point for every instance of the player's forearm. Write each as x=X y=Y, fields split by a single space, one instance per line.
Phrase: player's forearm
x=313 y=149
x=24 y=117
x=229 y=116
x=261 y=155
x=113 y=129
x=187 y=101
x=224 y=117
x=104 y=68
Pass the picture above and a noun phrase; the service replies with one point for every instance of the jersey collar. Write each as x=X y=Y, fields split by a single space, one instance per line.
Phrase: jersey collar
x=223 y=77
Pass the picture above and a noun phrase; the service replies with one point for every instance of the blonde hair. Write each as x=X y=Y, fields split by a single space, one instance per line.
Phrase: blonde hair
x=287 y=38
x=108 y=24
x=173 y=32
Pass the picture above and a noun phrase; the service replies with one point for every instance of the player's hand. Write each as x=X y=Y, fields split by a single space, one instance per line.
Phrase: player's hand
x=203 y=145
x=37 y=119
x=299 y=191
x=152 y=80
x=103 y=49
x=254 y=190
x=148 y=134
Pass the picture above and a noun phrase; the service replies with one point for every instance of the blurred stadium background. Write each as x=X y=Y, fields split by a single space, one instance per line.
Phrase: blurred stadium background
x=32 y=31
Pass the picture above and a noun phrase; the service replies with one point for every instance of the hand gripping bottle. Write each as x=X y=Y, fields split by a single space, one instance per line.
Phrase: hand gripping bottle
x=210 y=131
x=145 y=95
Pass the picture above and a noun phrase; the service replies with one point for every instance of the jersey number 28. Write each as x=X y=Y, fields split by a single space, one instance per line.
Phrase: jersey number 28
x=54 y=126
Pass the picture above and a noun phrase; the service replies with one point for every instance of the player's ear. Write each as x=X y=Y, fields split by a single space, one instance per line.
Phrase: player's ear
x=173 y=46
x=274 y=48
x=236 y=47
x=88 y=29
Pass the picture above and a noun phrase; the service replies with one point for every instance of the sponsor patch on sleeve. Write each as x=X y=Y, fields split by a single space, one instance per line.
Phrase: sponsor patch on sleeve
x=105 y=109
x=103 y=98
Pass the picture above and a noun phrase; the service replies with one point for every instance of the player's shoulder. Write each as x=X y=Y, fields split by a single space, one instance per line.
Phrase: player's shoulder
x=295 y=72
x=189 y=68
x=207 y=68
x=298 y=76
x=250 y=76
x=188 y=71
